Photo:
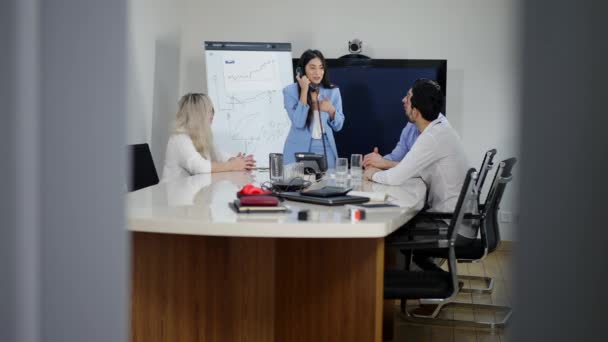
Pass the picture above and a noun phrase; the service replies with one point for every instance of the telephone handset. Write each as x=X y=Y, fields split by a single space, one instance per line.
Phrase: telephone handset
x=312 y=86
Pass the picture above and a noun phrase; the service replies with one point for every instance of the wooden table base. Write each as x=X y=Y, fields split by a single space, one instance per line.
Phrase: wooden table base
x=199 y=288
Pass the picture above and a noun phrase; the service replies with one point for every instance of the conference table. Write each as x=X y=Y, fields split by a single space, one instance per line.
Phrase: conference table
x=202 y=272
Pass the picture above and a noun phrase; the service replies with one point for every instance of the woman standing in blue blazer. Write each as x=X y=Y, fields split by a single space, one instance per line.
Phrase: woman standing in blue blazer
x=312 y=127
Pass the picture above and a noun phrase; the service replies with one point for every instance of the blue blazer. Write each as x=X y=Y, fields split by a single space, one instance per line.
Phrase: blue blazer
x=299 y=137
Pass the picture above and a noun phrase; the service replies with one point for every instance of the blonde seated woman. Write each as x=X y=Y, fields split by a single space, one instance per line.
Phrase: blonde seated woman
x=190 y=148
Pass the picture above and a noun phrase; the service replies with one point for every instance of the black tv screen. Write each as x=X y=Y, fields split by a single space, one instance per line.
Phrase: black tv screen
x=372 y=90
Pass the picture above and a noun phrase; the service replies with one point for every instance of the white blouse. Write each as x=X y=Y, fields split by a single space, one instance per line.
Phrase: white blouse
x=183 y=160
x=315 y=128
x=316 y=125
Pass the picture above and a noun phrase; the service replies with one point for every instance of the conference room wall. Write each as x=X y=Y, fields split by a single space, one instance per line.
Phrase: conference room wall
x=154 y=42
x=480 y=40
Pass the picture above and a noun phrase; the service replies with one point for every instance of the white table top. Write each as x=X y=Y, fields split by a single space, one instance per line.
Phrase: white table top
x=198 y=205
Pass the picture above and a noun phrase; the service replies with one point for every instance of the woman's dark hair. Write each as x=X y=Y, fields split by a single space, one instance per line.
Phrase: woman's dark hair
x=306 y=57
x=427 y=98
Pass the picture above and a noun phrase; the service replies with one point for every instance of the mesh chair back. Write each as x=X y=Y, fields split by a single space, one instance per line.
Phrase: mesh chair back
x=466 y=194
x=490 y=232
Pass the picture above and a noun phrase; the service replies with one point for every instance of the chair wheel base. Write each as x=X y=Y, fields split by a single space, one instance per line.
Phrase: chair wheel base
x=488 y=281
x=432 y=319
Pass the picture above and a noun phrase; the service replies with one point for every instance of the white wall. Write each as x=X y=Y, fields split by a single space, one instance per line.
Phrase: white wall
x=479 y=38
x=154 y=40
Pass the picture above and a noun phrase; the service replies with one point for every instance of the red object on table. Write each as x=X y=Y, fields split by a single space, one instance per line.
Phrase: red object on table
x=250 y=189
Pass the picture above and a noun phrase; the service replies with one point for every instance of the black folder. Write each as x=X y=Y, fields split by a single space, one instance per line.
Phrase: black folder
x=335 y=200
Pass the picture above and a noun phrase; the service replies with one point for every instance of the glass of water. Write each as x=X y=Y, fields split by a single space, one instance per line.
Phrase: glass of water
x=341 y=167
x=275 y=164
x=356 y=164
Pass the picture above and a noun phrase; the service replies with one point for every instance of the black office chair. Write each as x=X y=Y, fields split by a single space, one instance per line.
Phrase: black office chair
x=436 y=287
x=420 y=223
x=142 y=172
x=489 y=239
x=486 y=165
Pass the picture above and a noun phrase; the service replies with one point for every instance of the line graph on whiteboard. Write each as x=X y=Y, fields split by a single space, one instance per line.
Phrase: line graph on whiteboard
x=245 y=87
x=257 y=71
x=252 y=134
x=264 y=72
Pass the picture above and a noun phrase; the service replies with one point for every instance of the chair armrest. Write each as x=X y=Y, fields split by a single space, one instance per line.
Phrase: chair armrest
x=410 y=233
x=427 y=231
x=420 y=244
x=445 y=216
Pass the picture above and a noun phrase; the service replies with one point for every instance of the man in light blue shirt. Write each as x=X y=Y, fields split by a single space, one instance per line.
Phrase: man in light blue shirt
x=406 y=141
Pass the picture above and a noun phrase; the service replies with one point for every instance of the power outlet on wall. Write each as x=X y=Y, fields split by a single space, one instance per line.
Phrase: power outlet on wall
x=508 y=217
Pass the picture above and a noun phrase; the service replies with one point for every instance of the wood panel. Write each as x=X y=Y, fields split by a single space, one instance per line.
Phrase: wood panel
x=194 y=288
x=329 y=290
x=191 y=288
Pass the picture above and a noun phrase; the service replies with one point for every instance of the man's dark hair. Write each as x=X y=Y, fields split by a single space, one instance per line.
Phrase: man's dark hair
x=427 y=98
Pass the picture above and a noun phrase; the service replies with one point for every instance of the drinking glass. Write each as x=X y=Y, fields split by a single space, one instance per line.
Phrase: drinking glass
x=275 y=163
x=341 y=167
x=356 y=163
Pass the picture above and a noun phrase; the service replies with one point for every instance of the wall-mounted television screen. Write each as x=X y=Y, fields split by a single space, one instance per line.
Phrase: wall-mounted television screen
x=372 y=90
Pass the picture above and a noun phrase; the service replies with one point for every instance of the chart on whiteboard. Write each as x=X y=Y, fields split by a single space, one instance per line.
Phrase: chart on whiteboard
x=246 y=90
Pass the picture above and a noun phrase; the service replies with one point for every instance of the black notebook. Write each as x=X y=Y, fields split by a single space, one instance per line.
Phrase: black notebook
x=327 y=191
x=335 y=200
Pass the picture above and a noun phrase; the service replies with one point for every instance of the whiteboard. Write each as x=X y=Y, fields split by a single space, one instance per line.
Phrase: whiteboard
x=245 y=82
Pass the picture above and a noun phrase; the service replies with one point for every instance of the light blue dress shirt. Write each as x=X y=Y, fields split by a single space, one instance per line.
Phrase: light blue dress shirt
x=406 y=141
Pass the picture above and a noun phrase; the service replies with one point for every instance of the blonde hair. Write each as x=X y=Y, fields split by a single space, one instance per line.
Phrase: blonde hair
x=194 y=118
